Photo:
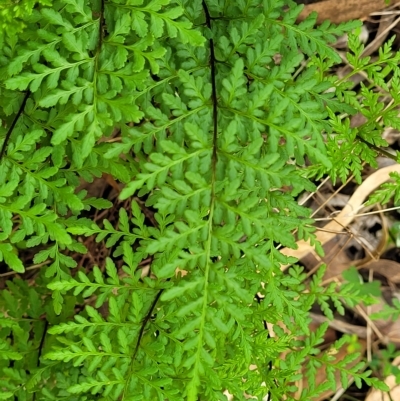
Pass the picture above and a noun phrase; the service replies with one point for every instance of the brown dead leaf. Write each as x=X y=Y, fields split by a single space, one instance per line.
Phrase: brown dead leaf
x=387 y=268
x=343 y=10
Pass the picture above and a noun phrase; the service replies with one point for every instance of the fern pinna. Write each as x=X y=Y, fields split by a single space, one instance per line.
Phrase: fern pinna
x=203 y=111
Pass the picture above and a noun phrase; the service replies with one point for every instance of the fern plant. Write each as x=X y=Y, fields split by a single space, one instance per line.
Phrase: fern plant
x=203 y=111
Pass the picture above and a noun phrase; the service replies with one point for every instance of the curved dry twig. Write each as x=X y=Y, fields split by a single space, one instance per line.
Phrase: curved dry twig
x=347 y=215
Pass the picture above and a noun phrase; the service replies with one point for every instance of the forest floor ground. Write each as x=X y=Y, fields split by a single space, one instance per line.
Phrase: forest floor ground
x=370 y=245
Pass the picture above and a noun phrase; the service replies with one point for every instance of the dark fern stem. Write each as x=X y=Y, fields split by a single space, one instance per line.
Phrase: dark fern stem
x=215 y=118
x=378 y=149
x=265 y=324
x=13 y=124
x=215 y=122
x=145 y=321
x=140 y=336
x=40 y=351
x=102 y=25
x=214 y=86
